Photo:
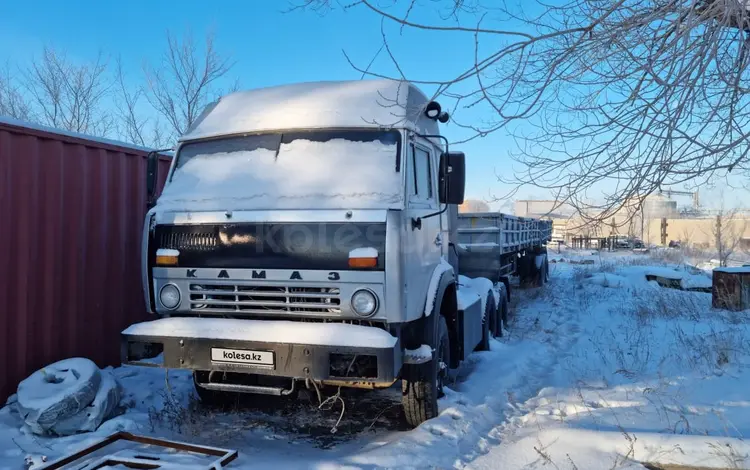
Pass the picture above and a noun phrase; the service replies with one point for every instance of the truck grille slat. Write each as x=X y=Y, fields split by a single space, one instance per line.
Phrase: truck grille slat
x=267 y=304
x=224 y=297
x=303 y=295
x=189 y=241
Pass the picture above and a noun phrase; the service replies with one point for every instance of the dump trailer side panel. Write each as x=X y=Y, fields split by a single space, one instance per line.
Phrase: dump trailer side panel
x=489 y=243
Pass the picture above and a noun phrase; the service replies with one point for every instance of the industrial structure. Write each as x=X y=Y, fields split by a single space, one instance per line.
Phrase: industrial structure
x=656 y=219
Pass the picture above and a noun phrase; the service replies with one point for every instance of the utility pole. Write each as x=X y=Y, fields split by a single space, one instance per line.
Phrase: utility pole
x=643 y=234
x=664 y=230
x=719 y=240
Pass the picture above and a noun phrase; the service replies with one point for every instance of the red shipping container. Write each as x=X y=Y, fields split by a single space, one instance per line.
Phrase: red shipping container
x=71 y=216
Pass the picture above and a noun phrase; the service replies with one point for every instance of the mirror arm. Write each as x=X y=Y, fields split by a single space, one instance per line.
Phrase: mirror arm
x=416 y=223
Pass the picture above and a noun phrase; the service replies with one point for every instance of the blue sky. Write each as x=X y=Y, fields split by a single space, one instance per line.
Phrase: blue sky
x=268 y=46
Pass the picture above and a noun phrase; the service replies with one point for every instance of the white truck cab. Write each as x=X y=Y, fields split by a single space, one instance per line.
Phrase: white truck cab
x=307 y=233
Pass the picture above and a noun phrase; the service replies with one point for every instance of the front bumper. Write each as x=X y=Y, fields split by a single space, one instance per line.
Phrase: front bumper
x=300 y=350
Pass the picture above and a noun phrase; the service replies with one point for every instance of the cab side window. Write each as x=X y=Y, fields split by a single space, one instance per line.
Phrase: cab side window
x=421 y=166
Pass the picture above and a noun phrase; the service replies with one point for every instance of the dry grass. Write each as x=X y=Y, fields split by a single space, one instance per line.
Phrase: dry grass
x=656 y=334
x=179 y=417
x=664 y=303
x=186 y=416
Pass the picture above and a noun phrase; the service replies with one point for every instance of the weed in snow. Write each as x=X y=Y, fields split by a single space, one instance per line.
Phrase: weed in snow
x=728 y=454
x=644 y=356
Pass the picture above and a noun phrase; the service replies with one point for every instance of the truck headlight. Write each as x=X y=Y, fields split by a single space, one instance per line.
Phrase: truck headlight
x=169 y=296
x=364 y=302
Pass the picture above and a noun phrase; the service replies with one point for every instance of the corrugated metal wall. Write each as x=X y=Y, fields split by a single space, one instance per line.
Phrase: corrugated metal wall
x=71 y=214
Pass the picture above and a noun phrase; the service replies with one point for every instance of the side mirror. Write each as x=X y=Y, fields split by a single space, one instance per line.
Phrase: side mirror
x=152 y=176
x=452 y=178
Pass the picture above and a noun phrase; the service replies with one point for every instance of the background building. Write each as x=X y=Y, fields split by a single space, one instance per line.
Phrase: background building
x=641 y=218
x=474 y=205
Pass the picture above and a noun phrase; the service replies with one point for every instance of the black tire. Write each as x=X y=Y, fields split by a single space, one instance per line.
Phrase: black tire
x=57 y=392
x=490 y=318
x=539 y=275
x=100 y=410
x=525 y=270
x=501 y=317
x=504 y=311
x=422 y=384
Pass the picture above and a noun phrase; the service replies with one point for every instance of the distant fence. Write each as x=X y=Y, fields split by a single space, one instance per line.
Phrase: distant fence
x=71 y=219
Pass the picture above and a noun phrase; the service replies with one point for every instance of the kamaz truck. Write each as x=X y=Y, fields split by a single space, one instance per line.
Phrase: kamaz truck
x=308 y=236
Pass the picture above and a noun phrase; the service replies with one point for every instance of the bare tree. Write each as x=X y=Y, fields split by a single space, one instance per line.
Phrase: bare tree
x=135 y=125
x=12 y=102
x=184 y=81
x=727 y=231
x=686 y=237
x=614 y=99
x=69 y=96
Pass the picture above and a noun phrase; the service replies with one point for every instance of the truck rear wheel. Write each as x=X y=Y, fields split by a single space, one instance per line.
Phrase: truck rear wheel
x=490 y=319
x=422 y=384
x=503 y=314
x=501 y=317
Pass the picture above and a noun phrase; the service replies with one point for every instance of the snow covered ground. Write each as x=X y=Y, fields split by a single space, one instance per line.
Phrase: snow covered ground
x=601 y=369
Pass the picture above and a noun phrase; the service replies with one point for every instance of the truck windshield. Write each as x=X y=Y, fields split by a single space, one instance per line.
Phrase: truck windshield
x=295 y=170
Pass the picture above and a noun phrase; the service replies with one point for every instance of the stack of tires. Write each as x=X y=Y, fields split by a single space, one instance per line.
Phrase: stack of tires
x=68 y=397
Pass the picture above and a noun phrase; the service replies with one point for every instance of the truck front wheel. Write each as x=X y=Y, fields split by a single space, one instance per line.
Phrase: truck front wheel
x=422 y=384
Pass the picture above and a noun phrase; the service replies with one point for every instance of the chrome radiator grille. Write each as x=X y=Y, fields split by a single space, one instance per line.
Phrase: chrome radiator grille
x=189 y=241
x=226 y=298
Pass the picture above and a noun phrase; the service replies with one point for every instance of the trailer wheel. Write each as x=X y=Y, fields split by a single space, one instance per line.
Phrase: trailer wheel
x=539 y=274
x=490 y=318
x=502 y=317
x=422 y=384
x=505 y=311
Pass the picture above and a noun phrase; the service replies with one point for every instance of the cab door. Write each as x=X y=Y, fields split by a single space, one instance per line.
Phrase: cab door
x=423 y=238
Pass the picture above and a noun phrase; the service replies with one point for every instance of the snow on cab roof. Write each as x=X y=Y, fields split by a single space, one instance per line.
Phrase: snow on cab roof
x=315 y=105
